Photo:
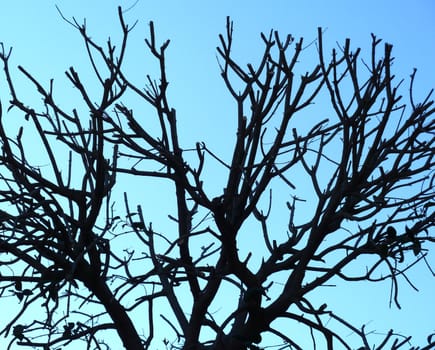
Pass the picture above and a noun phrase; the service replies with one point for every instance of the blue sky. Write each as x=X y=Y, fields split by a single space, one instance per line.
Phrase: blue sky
x=45 y=45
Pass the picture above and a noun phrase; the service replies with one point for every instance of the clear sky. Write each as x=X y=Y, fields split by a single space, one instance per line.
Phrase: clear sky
x=46 y=45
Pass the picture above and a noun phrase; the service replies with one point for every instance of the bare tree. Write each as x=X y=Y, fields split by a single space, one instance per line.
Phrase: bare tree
x=364 y=213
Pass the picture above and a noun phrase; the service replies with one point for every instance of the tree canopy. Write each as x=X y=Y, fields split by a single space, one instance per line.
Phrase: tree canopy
x=309 y=198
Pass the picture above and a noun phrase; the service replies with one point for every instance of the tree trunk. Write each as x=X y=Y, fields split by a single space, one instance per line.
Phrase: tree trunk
x=123 y=324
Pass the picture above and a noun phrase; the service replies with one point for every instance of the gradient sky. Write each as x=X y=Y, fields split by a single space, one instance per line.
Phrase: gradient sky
x=46 y=45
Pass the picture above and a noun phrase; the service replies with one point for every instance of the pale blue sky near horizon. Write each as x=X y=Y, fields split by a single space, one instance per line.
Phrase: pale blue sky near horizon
x=46 y=45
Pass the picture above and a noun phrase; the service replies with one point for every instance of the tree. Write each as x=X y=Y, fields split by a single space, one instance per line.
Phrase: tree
x=364 y=212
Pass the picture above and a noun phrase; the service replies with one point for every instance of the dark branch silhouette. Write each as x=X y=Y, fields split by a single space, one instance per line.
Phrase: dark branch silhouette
x=365 y=211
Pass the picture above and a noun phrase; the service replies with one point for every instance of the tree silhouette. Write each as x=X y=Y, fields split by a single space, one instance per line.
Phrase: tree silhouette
x=361 y=178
